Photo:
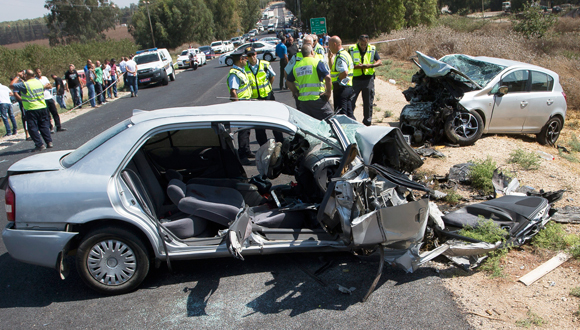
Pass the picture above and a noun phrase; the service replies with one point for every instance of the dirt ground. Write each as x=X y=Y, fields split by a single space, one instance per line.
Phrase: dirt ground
x=499 y=303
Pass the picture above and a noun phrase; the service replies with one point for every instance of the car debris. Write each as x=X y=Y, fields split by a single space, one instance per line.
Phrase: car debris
x=544 y=269
x=429 y=152
x=346 y=290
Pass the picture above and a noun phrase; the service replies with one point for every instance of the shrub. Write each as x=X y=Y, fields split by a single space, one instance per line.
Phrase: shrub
x=481 y=174
x=532 y=23
x=493 y=263
x=452 y=196
x=388 y=113
x=569 y=157
x=574 y=144
x=554 y=237
x=526 y=159
x=486 y=231
x=575 y=292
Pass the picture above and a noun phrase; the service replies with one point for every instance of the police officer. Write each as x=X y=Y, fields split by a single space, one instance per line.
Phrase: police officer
x=32 y=94
x=306 y=83
x=296 y=58
x=365 y=59
x=261 y=77
x=241 y=89
x=341 y=73
x=318 y=49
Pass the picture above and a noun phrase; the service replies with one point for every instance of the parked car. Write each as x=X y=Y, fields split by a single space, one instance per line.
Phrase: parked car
x=228 y=46
x=184 y=59
x=154 y=65
x=265 y=51
x=271 y=28
x=209 y=53
x=168 y=184
x=462 y=97
x=253 y=33
x=218 y=47
x=236 y=41
x=271 y=40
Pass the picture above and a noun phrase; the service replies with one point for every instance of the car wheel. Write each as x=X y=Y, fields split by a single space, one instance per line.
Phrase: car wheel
x=165 y=80
x=463 y=128
x=112 y=260
x=229 y=61
x=172 y=75
x=268 y=57
x=550 y=132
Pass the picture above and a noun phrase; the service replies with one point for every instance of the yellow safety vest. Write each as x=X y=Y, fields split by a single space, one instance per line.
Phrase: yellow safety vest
x=34 y=97
x=299 y=56
x=368 y=59
x=244 y=91
x=319 y=50
x=306 y=79
x=260 y=83
x=343 y=54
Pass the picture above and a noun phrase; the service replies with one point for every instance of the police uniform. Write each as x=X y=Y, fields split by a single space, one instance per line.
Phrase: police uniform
x=32 y=94
x=364 y=79
x=342 y=89
x=239 y=81
x=308 y=76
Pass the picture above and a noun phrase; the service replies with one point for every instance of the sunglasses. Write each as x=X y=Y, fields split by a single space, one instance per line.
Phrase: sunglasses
x=364 y=36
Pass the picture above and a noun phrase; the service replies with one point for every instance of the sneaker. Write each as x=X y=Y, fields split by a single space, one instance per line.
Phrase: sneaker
x=245 y=161
x=49 y=145
x=39 y=148
x=61 y=129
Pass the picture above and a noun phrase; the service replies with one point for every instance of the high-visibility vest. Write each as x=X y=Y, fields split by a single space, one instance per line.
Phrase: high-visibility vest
x=260 y=83
x=34 y=97
x=299 y=56
x=244 y=91
x=343 y=54
x=306 y=79
x=319 y=50
x=368 y=59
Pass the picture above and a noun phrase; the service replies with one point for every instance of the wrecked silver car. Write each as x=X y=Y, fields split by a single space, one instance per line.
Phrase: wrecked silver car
x=461 y=97
x=168 y=185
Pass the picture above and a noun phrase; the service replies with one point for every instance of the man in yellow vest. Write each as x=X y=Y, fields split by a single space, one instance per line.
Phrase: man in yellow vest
x=341 y=73
x=241 y=89
x=365 y=58
x=318 y=50
x=310 y=84
x=32 y=94
x=261 y=77
x=307 y=40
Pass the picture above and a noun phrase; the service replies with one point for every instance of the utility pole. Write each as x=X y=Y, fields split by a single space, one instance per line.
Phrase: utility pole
x=150 y=25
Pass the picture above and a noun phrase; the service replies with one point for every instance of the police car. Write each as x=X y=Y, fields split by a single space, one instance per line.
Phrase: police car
x=266 y=52
x=154 y=65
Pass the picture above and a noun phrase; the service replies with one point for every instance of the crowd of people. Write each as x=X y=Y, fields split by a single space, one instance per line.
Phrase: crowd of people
x=34 y=94
x=314 y=74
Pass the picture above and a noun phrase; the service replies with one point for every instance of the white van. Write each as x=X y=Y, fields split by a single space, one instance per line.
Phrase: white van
x=154 y=65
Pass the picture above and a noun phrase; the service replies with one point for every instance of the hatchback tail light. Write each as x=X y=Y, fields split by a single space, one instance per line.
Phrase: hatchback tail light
x=565 y=97
x=10 y=200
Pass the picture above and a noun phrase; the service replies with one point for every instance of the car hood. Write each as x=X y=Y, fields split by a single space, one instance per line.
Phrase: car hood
x=47 y=161
x=182 y=58
x=435 y=68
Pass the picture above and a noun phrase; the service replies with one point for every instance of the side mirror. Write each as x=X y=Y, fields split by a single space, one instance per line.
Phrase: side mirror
x=503 y=90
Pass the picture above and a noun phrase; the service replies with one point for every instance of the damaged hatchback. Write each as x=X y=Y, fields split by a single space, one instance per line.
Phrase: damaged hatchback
x=460 y=97
x=168 y=185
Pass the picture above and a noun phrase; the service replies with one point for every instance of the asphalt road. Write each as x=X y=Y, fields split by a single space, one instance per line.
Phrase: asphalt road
x=261 y=292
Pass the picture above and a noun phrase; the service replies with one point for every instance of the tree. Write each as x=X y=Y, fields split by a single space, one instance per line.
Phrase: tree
x=174 y=23
x=420 y=12
x=532 y=22
x=250 y=13
x=225 y=17
x=79 y=20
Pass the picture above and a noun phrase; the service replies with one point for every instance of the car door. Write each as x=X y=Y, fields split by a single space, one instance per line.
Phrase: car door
x=510 y=110
x=543 y=101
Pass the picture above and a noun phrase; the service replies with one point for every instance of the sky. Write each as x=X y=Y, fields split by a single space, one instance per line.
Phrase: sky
x=12 y=10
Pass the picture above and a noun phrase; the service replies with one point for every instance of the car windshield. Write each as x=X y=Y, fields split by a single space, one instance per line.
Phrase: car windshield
x=217 y=43
x=479 y=71
x=204 y=48
x=71 y=159
x=318 y=128
x=148 y=58
x=184 y=52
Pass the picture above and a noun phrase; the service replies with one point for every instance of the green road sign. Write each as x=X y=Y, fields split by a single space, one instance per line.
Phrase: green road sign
x=318 y=25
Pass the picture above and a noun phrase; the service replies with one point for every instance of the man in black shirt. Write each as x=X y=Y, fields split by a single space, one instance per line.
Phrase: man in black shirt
x=73 y=84
x=59 y=91
x=291 y=46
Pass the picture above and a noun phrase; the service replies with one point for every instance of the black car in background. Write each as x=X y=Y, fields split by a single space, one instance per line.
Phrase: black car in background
x=209 y=53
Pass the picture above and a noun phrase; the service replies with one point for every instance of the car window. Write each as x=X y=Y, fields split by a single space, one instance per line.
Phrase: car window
x=204 y=48
x=541 y=82
x=70 y=159
x=184 y=52
x=201 y=137
x=516 y=81
x=216 y=43
x=258 y=45
x=148 y=58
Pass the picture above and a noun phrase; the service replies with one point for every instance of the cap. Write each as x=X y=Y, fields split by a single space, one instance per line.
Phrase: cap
x=239 y=52
x=249 y=51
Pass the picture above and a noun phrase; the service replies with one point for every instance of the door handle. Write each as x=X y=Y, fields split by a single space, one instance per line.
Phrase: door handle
x=550 y=101
x=524 y=104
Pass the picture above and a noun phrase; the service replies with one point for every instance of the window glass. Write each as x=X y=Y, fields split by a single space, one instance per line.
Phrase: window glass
x=258 y=45
x=541 y=82
x=516 y=81
x=201 y=137
x=148 y=58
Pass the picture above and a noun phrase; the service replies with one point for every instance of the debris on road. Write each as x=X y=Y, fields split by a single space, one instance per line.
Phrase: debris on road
x=346 y=290
x=545 y=268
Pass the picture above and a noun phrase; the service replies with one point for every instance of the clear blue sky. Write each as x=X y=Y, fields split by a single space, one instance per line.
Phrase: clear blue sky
x=12 y=10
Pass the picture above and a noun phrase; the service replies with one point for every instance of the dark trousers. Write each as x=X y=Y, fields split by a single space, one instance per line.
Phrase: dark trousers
x=51 y=106
x=283 y=64
x=98 y=91
x=343 y=99
x=261 y=136
x=367 y=87
x=37 y=121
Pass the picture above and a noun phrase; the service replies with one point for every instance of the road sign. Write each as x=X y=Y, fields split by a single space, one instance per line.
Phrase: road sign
x=318 y=25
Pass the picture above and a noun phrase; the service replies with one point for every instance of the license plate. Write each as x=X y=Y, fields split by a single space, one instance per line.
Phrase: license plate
x=145 y=80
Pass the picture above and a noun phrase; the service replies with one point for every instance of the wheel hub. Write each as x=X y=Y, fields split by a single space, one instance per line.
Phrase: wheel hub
x=111 y=262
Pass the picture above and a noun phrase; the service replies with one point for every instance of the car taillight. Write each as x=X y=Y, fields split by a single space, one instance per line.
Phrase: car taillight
x=565 y=97
x=10 y=200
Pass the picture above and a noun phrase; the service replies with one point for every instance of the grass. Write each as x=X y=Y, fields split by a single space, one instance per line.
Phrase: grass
x=575 y=292
x=493 y=263
x=486 y=231
x=400 y=71
x=528 y=160
x=481 y=174
x=388 y=114
x=554 y=237
x=569 y=157
x=452 y=197
x=574 y=144
x=531 y=319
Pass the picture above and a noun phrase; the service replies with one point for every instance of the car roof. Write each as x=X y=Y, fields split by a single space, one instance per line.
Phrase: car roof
x=270 y=109
x=510 y=63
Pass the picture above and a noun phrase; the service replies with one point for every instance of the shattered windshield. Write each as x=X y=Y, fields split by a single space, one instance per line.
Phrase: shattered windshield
x=312 y=126
x=349 y=127
x=480 y=72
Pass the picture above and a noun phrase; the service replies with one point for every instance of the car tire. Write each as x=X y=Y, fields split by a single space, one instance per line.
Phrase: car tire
x=112 y=243
x=463 y=128
x=229 y=61
x=268 y=57
x=550 y=132
x=165 y=80
x=172 y=75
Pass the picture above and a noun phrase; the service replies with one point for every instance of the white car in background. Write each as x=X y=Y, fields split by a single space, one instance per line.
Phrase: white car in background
x=183 y=58
x=266 y=52
x=228 y=46
x=218 y=47
x=271 y=40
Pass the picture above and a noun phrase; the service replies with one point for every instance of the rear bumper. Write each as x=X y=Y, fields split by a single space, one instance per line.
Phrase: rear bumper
x=35 y=247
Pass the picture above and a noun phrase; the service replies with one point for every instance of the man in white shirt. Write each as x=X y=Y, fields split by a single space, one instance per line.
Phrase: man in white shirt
x=6 y=110
x=123 y=68
x=131 y=67
x=50 y=104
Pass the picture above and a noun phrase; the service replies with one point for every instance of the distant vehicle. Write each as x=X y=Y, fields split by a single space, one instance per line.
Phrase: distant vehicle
x=265 y=51
x=271 y=28
x=270 y=40
x=229 y=46
x=209 y=53
x=184 y=59
x=506 y=6
x=218 y=47
x=253 y=33
x=154 y=65
x=236 y=41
